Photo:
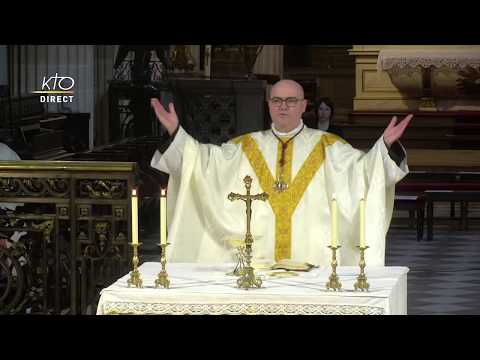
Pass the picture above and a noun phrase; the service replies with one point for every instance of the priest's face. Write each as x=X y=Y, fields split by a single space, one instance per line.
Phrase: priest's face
x=286 y=105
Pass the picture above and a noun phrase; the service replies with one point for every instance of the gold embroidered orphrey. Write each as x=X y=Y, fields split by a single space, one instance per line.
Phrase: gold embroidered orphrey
x=284 y=202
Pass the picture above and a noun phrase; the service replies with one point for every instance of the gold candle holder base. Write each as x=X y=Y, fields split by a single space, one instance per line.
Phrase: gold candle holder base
x=248 y=279
x=135 y=278
x=162 y=279
x=362 y=283
x=333 y=282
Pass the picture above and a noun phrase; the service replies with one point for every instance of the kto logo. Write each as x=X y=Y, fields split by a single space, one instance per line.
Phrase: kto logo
x=57 y=88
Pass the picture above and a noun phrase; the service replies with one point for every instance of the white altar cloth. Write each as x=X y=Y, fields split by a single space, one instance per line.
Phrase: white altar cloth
x=456 y=59
x=206 y=289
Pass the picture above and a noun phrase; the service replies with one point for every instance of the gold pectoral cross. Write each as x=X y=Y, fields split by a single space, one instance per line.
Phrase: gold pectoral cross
x=284 y=160
x=280 y=185
x=248 y=279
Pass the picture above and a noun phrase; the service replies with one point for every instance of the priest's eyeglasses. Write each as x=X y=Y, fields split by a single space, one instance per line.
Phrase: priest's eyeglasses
x=291 y=102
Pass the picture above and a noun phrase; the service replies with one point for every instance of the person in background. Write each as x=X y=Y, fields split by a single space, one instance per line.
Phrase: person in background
x=324 y=111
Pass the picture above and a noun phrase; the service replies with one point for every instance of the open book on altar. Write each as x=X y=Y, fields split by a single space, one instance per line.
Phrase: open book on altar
x=292 y=265
x=237 y=242
x=285 y=264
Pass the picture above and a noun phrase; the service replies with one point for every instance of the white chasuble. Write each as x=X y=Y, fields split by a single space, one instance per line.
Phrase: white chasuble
x=292 y=224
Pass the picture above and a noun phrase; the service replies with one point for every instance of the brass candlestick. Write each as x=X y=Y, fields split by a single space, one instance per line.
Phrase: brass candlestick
x=247 y=278
x=162 y=279
x=362 y=283
x=334 y=281
x=135 y=278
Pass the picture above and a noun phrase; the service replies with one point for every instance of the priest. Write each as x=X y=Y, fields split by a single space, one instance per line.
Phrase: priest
x=301 y=169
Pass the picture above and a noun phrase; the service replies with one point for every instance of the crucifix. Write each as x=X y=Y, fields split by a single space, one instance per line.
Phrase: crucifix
x=248 y=279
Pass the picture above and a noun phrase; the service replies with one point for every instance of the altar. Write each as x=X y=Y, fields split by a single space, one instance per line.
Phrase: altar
x=207 y=289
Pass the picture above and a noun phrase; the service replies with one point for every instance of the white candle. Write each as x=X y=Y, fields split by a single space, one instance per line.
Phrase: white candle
x=334 y=221
x=362 y=223
x=134 y=217
x=163 y=216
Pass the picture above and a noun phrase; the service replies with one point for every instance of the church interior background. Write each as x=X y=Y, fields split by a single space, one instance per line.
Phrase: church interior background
x=83 y=153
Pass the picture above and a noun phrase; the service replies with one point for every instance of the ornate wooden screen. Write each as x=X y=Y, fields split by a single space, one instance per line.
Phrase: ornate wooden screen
x=77 y=218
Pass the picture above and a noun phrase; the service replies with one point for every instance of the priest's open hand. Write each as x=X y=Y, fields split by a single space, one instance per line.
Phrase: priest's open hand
x=169 y=119
x=394 y=131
